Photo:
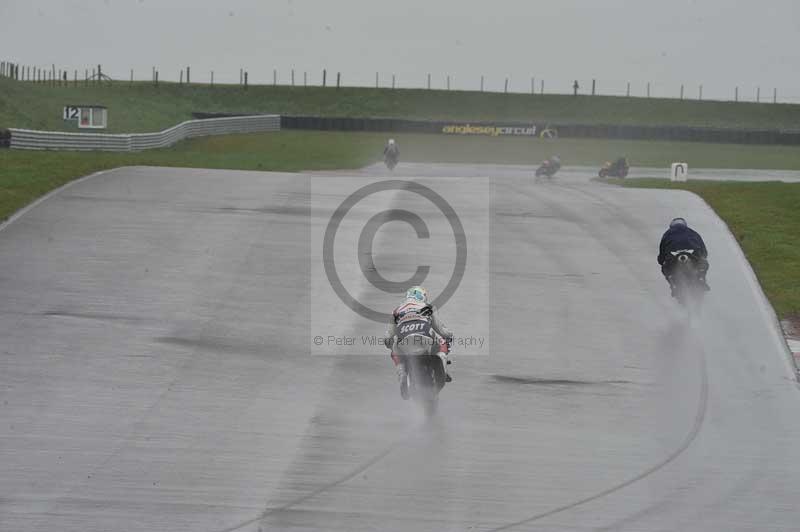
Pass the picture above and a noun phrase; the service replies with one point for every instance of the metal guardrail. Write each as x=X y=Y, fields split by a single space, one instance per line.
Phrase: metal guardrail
x=27 y=139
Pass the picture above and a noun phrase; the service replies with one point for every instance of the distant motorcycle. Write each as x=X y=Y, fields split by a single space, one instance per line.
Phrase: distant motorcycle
x=390 y=159
x=618 y=168
x=689 y=289
x=549 y=167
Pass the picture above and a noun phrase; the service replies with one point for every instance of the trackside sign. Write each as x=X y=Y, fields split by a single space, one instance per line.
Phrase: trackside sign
x=489 y=130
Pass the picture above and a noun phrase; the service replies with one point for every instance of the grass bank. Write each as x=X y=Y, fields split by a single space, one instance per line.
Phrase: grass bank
x=141 y=106
x=765 y=219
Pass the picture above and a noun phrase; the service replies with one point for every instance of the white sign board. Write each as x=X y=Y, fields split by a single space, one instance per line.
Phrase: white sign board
x=679 y=172
x=71 y=113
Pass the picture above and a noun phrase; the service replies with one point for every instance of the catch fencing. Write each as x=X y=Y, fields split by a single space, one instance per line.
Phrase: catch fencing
x=52 y=140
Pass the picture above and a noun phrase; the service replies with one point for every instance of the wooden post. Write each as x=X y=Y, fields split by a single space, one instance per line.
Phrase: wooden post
x=292 y=77
x=775 y=95
x=758 y=95
x=481 y=83
x=3 y=68
x=75 y=83
x=324 y=77
x=681 y=91
x=648 y=89
x=305 y=79
x=448 y=82
x=377 y=80
x=131 y=77
x=99 y=73
x=274 y=78
x=212 y=78
x=241 y=76
x=701 y=92
x=181 y=81
x=505 y=89
x=628 y=92
x=188 y=75
x=156 y=78
x=594 y=82
x=246 y=82
x=542 y=83
x=736 y=94
x=393 y=79
x=533 y=85
x=429 y=81
x=338 y=79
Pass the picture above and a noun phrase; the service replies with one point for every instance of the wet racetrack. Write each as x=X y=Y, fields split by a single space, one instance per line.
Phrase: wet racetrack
x=156 y=374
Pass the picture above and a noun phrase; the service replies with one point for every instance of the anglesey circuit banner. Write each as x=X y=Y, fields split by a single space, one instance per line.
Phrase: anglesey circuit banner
x=489 y=130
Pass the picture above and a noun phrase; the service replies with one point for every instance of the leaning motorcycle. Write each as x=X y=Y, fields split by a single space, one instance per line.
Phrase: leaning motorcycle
x=548 y=168
x=618 y=168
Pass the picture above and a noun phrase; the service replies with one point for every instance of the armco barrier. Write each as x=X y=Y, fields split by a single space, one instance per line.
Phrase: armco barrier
x=51 y=140
x=5 y=138
x=604 y=131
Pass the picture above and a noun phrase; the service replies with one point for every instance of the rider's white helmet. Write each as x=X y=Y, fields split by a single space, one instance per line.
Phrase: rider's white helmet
x=418 y=294
x=391 y=142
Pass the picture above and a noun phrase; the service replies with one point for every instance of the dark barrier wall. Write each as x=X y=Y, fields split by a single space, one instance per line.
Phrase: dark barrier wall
x=5 y=138
x=597 y=131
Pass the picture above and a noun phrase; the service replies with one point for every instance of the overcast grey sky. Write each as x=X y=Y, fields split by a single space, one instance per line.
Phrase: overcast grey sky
x=719 y=43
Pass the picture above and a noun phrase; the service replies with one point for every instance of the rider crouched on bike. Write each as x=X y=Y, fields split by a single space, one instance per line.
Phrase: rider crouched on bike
x=391 y=149
x=417 y=309
x=680 y=237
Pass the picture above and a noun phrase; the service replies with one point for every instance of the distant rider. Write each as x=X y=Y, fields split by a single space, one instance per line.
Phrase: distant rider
x=679 y=236
x=417 y=308
x=391 y=150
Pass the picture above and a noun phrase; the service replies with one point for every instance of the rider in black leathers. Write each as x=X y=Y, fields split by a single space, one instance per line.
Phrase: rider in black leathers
x=679 y=236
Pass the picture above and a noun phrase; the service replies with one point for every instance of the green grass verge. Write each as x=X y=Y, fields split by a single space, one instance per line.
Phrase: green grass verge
x=141 y=106
x=765 y=219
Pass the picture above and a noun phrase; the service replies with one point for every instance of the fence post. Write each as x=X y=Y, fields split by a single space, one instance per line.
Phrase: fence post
x=305 y=79
x=274 y=77
x=505 y=88
x=429 y=81
x=324 y=77
x=758 y=95
x=75 y=82
x=701 y=92
x=212 y=78
x=594 y=82
x=338 y=79
x=156 y=78
x=393 y=82
x=292 y=77
x=448 y=82
x=181 y=81
x=736 y=94
x=188 y=75
x=681 y=91
x=99 y=73
x=2 y=68
x=648 y=89
x=131 y=77
x=542 y=84
x=775 y=95
x=377 y=81
x=246 y=81
x=628 y=91
x=481 y=83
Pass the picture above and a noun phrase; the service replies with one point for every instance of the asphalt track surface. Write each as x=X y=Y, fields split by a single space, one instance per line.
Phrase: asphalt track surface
x=154 y=374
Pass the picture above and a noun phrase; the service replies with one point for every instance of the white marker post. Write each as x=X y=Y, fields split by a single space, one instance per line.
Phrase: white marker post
x=679 y=172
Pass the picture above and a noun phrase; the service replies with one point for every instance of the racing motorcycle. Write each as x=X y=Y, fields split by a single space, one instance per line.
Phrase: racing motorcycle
x=618 y=168
x=549 y=167
x=425 y=366
x=390 y=159
x=686 y=279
